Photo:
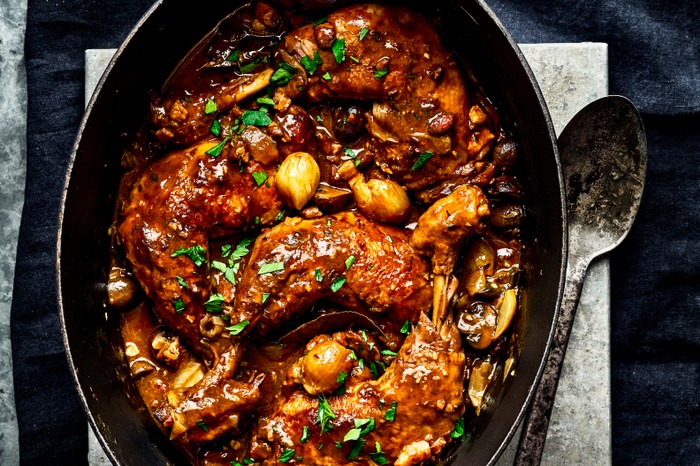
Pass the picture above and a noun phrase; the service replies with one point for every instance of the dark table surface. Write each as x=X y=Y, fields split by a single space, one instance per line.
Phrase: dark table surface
x=654 y=56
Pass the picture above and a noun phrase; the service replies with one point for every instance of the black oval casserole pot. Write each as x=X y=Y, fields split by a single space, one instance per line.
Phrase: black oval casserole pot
x=143 y=63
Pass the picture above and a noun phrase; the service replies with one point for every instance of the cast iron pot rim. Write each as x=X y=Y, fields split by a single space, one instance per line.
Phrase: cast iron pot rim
x=86 y=116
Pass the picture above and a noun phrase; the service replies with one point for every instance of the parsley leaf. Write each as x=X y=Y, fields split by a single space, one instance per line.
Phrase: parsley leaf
x=341 y=377
x=259 y=177
x=181 y=281
x=265 y=101
x=352 y=434
x=387 y=352
x=327 y=76
x=196 y=253
x=424 y=157
x=338 y=48
x=406 y=329
x=271 y=267
x=378 y=456
x=265 y=297
x=234 y=56
x=236 y=329
x=304 y=434
x=255 y=118
x=203 y=426
x=220 y=266
x=286 y=455
x=349 y=261
x=216 y=150
x=283 y=74
x=215 y=128
x=179 y=306
x=242 y=249
x=356 y=449
x=458 y=430
x=210 y=107
x=363 y=33
x=311 y=64
x=319 y=277
x=338 y=284
x=379 y=74
x=214 y=303
x=325 y=414
x=390 y=414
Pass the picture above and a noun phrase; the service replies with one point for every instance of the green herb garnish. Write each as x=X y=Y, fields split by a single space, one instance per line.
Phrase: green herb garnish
x=304 y=434
x=203 y=426
x=259 y=177
x=215 y=127
x=179 y=306
x=338 y=48
x=214 y=303
x=319 y=277
x=236 y=329
x=265 y=101
x=210 y=107
x=325 y=414
x=338 y=284
x=197 y=254
x=363 y=33
x=349 y=261
x=234 y=56
x=286 y=455
x=424 y=157
x=181 y=281
x=311 y=64
x=390 y=414
x=265 y=297
x=458 y=430
x=216 y=150
x=283 y=74
x=387 y=352
x=256 y=118
x=379 y=74
x=327 y=76
x=356 y=449
x=271 y=267
x=406 y=329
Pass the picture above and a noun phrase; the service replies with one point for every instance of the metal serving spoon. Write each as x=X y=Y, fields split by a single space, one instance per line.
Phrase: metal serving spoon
x=604 y=156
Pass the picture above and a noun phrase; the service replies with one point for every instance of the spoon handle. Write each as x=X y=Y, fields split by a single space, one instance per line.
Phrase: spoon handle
x=537 y=420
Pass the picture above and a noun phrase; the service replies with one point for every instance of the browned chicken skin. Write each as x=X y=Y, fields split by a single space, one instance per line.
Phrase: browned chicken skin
x=174 y=205
x=421 y=104
x=424 y=382
x=373 y=267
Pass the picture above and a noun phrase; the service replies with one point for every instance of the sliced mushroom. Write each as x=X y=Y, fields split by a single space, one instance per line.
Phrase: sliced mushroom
x=165 y=347
x=478 y=324
x=331 y=199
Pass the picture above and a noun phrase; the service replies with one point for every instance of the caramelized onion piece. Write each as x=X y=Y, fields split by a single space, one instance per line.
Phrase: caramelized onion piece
x=297 y=179
x=479 y=380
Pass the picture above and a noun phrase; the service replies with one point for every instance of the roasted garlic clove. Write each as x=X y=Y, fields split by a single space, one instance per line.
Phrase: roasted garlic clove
x=380 y=200
x=479 y=380
x=506 y=311
x=297 y=179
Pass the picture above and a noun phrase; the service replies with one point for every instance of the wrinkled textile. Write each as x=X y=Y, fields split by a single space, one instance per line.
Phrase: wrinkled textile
x=654 y=59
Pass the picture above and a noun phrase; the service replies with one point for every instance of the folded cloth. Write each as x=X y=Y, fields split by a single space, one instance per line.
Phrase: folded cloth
x=654 y=59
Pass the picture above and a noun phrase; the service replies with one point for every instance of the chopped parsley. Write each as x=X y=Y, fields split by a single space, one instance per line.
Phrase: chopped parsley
x=179 y=306
x=378 y=456
x=338 y=49
x=215 y=127
x=181 y=281
x=216 y=150
x=240 y=251
x=351 y=153
x=379 y=74
x=363 y=33
x=458 y=431
x=338 y=284
x=320 y=21
x=283 y=74
x=311 y=64
x=327 y=76
x=249 y=66
x=356 y=449
x=304 y=434
x=319 y=277
x=406 y=329
x=390 y=414
x=325 y=414
x=286 y=455
x=220 y=266
x=341 y=377
x=265 y=297
x=259 y=177
x=256 y=118
x=280 y=215
x=234 y=56
x=349 y=261
x=203 y=426
x=214 y=303
x=424 y=157
x=271 y=267
x=196 y=253
x=265 y=101
x=355 y=59
x=236 y=329
x=210 y=107
x=387 y=352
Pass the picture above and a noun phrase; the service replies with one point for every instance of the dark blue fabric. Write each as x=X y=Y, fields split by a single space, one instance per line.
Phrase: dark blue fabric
x=654 y=49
